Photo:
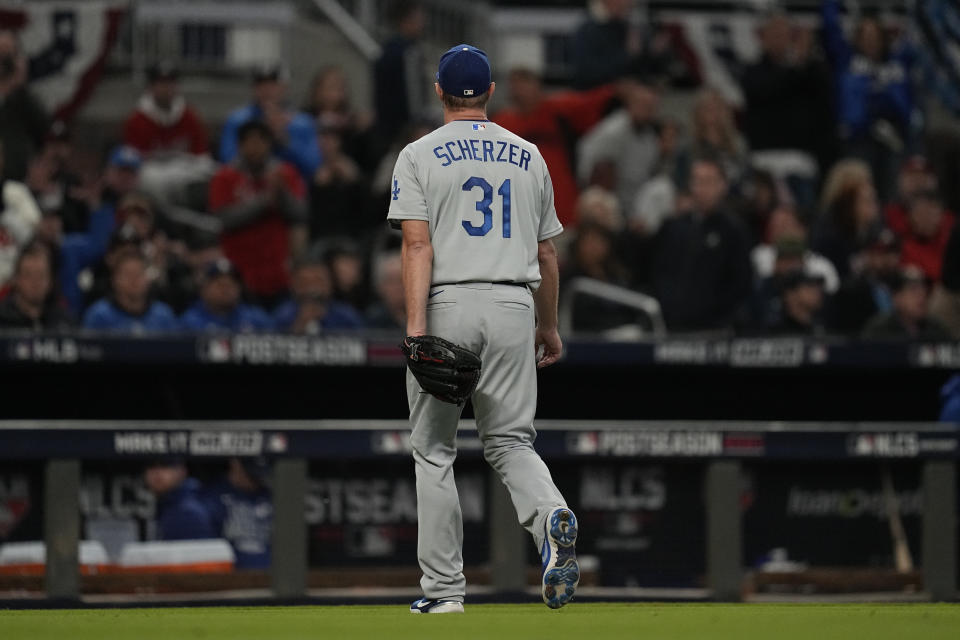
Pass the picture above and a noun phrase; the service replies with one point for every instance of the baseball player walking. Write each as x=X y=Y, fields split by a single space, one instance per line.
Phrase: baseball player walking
x=475 y=203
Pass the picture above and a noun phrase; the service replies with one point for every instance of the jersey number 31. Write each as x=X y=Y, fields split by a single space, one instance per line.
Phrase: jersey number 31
x=483 y=206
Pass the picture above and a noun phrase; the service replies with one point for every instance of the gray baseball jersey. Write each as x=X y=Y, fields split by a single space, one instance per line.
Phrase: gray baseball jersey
x=488 y=198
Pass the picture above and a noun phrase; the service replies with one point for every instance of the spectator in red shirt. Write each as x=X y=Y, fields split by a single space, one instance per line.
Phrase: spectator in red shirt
x=553 y=123
x=261 y=203
x=163 y=121
x=915 y=177
x=927 y=234
x=171 y=138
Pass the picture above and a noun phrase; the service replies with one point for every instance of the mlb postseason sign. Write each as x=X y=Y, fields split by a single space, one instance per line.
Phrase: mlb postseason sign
x=283 y=350
x=379 y=349
x=643 y=443
x=240 y=349
x=360 y=439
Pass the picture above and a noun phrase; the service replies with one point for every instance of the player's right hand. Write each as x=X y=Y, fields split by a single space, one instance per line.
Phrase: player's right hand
x=551 y=345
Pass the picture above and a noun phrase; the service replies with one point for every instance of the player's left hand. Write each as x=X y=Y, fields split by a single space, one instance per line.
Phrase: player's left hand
x=445 y=370
x=552 y=346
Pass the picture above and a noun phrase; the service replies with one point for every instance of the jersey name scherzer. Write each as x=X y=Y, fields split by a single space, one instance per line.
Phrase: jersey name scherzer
x=487 y=196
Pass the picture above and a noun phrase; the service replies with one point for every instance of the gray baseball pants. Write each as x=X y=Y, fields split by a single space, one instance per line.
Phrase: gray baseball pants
x=496 y=321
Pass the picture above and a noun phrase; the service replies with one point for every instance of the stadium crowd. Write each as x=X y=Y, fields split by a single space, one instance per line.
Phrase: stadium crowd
x=811 y=210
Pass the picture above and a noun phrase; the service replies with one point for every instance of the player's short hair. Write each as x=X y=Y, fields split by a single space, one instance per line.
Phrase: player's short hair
x=126 y=255
x=310 y=260
x=35 y=248
x=253 y=127
x=400 y=10
x=456 y=103
x=714 y=160
x=926 y=195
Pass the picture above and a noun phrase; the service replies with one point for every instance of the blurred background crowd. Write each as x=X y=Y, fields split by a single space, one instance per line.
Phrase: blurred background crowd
x=818 y=206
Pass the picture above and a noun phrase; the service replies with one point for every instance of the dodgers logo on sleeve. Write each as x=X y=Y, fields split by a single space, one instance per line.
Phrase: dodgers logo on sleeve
x=396 y=188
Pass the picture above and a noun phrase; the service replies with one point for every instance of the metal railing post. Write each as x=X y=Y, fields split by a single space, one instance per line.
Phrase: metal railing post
x=61 y=526
x=940 y=529
x=289 y=558
x=724 y=539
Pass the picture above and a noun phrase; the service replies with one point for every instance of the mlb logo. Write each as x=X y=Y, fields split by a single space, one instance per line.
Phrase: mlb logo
x=479 y=126
x=468 y=92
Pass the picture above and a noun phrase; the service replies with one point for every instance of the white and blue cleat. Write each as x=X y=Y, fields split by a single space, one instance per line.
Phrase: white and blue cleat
x=561 y=573
x=436 y=606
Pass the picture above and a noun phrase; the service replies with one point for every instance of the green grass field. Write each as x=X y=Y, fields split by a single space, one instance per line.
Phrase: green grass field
x=495 y=622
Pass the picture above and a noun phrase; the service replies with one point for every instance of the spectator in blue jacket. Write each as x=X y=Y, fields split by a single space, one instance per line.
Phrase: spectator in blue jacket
x=874 y=95
x=181 y=513
x=129 y=309
x=241 y=508
x=219 y=307
x=294 y=133
x=950 y=394
x=312 y=308
x=81 y=250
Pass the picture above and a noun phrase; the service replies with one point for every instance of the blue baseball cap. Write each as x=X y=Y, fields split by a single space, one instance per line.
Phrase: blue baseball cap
x=220 y=267
x=125 y=157
x=464 y=71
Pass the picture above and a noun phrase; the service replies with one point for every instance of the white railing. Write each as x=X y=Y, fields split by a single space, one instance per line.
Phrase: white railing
x=227 y=36
x=204 y=36
x=580 y=288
